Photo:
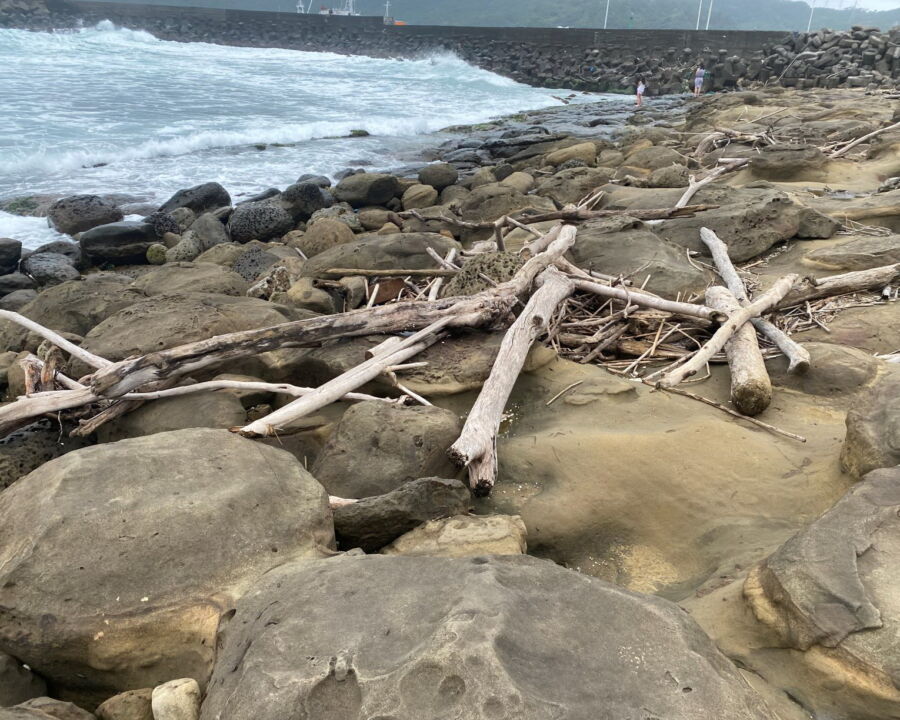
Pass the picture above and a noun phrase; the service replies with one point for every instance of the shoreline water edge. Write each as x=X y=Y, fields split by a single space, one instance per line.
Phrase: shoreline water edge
x=585 y=411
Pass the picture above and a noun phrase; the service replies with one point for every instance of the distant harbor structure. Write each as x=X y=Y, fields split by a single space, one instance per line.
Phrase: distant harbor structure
x=347 y=9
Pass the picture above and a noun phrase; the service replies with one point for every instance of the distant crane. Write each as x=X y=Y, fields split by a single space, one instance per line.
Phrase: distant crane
x=709 y=14
x=812 y=9
x=699 y=13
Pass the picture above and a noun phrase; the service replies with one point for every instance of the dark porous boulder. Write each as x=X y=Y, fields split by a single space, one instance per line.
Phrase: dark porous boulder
x=164 y=321
x=302 y=199
x=570 y=186
x=256 y=259
x=831 y=592
x=258 y=221
x=163 y=223
x=117 y=561
x=10 y=252
x=27 y=448
x=45 y=708
x=191 y=277
x=789 y=162
x=49 y=268
x=199 y=199
x=378 y=446
x=17 y=683
x=873 y=428
x=858 y=253
x=373 y=522
x=78 y=213
x=439 y=175
x=367 y=189
x=748 y=227
x=816 y=226
x=73 y=307
x=623 y=246
x=382 y=252
x=15 y=281
x=71 y=250
x=121 y=243
x=17 y=299
x=498 y=267
x=487 y=637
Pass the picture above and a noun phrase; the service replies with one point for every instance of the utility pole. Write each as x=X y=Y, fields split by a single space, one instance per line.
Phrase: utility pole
x=606 y=17
x=699 y=13
x=812 y=9
x=709 y=14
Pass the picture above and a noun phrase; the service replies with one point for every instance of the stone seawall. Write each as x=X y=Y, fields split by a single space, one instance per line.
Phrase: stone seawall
x=582 y=59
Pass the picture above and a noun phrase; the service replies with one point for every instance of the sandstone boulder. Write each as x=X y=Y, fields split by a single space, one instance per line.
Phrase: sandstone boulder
x=367 y=189
x=463 y=536
x=789 y=162
x=397 y=250
x=258 y=221
x=323 y=235
x=176 y=700
x=17 y=683
x=377 y=447
x=439 y=175
x=129 y=705
x=586 y=152
x=45 y=708
x=118 y=560
x=873 y=428
x=816 y=226
x=119 y=243
x=859 y=253
x=834 y=370
x=654 y=158
x=78 y=213
x=419 y=196
x=191 y=277
x=570 y=186
x=460 y=641
x=199 y=199
x=372 y=522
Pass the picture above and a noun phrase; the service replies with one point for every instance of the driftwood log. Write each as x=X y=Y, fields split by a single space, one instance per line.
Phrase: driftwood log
x=797 y=355
x=717 y=342
x=476 y=446
x=751 y=388
x=810 y=289
x=859 y=141
x=695 y=185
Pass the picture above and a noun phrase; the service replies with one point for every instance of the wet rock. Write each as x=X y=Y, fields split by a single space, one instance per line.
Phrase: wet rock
x=199 y=199
x=49 y=268
x=748 y=228
x=176 y=700
x=28 y=448
x=319 y=180
x=586 y=152
x=116 y=510
x=303 y=199
x=873 y=428
x=439 y=175
x=654 y=158
x=191 y=277
x=78 y=213
x=323 y=235
x=367 y=189
x=859 y=253
x=44 y=708
x=118 y=243
x=258 y=221
x=463 y=536
x=71 y=250
x=129 y=705
x=570 y=186
x=373 y=522
x=17 y=683
x=831 y=592
x=789 y=162
x=419 y=196
x=622 y=246
x=499 y=267
x=10 y=252
x=815 y=225
x=397 y=250
x=461 y=646
x=17 y=299
x=15 y=281
x=377 y=447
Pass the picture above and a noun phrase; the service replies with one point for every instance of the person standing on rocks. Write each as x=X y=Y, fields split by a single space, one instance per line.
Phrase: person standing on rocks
x=699 y=77
x=641 y=87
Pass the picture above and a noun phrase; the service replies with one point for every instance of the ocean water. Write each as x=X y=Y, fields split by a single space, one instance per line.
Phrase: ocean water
x=106 y=110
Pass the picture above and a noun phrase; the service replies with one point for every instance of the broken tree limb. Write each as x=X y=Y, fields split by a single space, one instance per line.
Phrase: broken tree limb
x=716 y=343
x=859 y=141
x=335 y=389
x=350 y=272
x=541 y=243
x=810 y=289
x=88 y=358
x=650 y=301
x=212 y=385
x=474 y=448
x=797 y=355
x=695 y=185
x=751 y=388
x=27 y=408
x=583 y=213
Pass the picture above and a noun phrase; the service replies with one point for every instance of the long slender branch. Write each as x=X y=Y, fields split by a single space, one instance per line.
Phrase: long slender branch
x=859 y=141
x=95 y=361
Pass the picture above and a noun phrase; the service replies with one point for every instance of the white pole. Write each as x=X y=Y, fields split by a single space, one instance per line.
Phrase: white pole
x=699 y=13
x=606 y=17
x=709 y=14
x=812 y=9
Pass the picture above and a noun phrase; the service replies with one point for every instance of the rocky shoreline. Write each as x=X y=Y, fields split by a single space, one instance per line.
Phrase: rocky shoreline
x=164 y=556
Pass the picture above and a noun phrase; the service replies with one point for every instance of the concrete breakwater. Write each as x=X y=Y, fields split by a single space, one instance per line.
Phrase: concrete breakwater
x=584 y=59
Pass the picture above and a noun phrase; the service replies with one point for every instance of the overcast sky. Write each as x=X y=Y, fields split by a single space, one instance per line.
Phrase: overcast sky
x=867 y=4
